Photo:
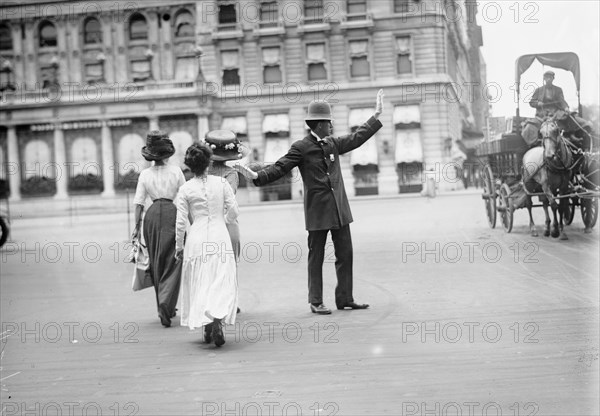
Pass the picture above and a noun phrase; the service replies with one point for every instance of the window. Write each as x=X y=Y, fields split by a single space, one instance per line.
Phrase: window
x=359 y=58
x=404 y=59
x=356 y=9
x=227 y=15
x=92 y=31
x=271 y=67
x=184 y=24
x=276 y=130
x=94 y=72
x=230 y=66
x=138 y=28
x=315 y=57
x=5 y=38
x=186 y=68
x=49 y=75
x=268 y=13
x=141 y=70
x=7 y=78
x=313 y=11
x=47 y=35
x=401 y=6
x=409 y=148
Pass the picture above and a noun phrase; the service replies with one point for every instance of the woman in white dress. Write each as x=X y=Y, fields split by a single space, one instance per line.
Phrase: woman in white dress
x=160 y=183
x=226 y=146
x=209 y=292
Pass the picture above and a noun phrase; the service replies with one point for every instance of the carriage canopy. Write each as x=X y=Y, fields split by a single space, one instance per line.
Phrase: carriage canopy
x=568 y=61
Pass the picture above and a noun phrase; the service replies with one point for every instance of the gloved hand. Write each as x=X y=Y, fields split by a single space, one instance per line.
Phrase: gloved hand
x=379 y=104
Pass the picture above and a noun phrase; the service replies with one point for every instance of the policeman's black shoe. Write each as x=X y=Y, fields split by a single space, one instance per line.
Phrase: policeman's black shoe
x=352 y=305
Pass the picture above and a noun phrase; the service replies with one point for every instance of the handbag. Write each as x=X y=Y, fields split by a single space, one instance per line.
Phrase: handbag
x=142 y=278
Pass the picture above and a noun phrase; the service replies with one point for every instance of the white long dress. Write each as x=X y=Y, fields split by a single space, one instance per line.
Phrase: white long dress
x=208 y=281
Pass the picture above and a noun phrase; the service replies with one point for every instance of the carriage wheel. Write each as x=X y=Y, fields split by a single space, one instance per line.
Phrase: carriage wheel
x=506 y=205
x=570 y=214
x=589 y=212
x=489 y=199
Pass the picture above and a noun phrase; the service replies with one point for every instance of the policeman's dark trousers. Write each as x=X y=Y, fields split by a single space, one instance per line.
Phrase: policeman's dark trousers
x=342 y=244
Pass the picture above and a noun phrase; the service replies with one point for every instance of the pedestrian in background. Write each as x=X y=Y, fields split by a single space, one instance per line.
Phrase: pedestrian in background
x=326 y=207
x=160 y=183
x=209 y=292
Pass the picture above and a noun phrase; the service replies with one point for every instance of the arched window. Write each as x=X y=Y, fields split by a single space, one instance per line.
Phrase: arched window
x=138 y=28
x=92 y=31
x=5 y=38
x=184 y=24
x=47 y=34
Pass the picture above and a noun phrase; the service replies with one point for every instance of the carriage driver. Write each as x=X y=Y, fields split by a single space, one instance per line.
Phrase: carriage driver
x=548 y=99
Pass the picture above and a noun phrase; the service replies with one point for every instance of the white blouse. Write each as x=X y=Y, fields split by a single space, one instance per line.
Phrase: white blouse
x=157 y=182
x=208 y=203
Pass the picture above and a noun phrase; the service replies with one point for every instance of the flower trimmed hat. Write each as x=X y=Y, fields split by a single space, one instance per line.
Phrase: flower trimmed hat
x=225 y=145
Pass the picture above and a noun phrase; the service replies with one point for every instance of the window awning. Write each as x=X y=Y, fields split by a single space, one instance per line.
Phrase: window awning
x=359 y=47
x=358 y=116
x=270 y=56
x=315 y=52
x=274 y=149
x=230 y=59
x=238 y=125
x=407 y=115
x=275 y=123
x=365 y=154
x=408 y=146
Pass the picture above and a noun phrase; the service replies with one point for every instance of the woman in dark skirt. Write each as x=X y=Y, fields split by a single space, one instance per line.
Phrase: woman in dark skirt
x=160 y=183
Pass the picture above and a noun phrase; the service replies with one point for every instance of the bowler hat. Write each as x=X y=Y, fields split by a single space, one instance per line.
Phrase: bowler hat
x=549 y=73
x=319 y=110
x=225 y=145
x=158 y=146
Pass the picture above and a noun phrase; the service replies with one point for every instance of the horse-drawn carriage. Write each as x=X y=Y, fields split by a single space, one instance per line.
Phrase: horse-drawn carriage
x=514 y=171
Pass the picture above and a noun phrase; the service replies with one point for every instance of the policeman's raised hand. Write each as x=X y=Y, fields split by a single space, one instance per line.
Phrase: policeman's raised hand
x=379 y=104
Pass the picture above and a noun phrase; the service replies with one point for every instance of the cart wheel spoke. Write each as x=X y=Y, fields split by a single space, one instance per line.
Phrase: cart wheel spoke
x=489 y=191
x=506 y=203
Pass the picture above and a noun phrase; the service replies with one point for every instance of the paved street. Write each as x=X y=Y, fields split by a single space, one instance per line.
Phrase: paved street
x=463 y=320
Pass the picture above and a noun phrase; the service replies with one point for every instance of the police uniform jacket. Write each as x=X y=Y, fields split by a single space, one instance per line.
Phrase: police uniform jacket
x=325 y=201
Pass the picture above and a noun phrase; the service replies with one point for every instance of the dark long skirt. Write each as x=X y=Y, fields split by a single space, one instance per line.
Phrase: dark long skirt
x=159 y=233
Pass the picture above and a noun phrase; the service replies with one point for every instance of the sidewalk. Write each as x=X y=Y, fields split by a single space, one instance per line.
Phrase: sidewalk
x=122 y=203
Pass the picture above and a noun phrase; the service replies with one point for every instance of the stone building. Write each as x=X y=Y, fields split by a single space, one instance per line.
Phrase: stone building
x=82 y=82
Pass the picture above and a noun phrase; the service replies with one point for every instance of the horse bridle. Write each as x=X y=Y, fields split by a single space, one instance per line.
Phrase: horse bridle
x=557 y=157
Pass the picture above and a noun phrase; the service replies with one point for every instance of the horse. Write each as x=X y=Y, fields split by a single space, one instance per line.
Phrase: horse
x=548 y=167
